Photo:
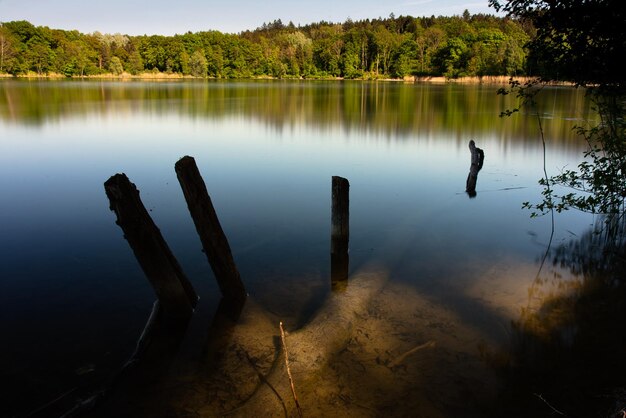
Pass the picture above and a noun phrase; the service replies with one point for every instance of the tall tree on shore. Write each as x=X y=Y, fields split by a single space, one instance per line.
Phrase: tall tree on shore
x=198 y=64
x=7 y=50
x=116 y=66
x=385 y=42
x=327 y=47
x=39 y=54
x=428 y=43
x=135 y=63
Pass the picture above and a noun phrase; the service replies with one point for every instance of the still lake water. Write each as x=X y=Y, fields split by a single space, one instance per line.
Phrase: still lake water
x=73 y=299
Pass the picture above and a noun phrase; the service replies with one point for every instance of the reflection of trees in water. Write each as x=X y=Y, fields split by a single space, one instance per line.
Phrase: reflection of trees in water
x=568 y=346
x=384 y=108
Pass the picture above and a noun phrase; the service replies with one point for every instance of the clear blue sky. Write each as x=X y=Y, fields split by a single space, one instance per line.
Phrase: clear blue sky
x=138 y=17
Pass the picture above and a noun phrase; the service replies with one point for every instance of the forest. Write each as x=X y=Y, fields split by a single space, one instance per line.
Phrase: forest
x=392 y=47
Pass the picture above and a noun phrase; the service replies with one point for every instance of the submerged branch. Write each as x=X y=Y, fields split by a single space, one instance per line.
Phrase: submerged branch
x=293 y=388
x=548 y=403
x=400 y=358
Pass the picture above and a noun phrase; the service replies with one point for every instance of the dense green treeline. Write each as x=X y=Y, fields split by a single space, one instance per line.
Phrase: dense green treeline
x=392 y=47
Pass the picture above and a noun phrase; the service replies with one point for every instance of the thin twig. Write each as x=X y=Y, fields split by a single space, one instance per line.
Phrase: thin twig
x=41 y=408
x=401 y=357
x=293 y=388
x=548 y=403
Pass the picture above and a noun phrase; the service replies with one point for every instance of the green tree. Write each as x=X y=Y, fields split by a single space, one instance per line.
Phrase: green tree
x=72 y=56
x=487 y=53
x=7 y=49
x=237 y=52
x=295 y=52
x=215 y=61
x=152 y=50
x=405 y=61
x=452 y=58
x=39 y=55
x=327 y=47
x=95 y=64
x=514 y=57
x=198 y=64
x=176 y=57
x=135 y=63
x=272 y=64
x=22 y=30
x=385 y=44
x=350 y=61
x=106 y=45
x=427 y=42
x=116 y=66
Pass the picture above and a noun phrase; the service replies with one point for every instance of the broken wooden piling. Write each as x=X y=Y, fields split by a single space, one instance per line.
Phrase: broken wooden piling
x=340 y=231
x=174 y=291
x=212 y=236
x=477 y=159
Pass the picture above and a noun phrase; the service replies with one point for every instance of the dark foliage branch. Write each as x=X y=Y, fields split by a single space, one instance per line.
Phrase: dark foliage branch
x=576 y=40
x=580 y=41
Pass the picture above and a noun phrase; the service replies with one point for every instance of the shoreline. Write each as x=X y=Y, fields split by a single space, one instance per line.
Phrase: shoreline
x=502 y=80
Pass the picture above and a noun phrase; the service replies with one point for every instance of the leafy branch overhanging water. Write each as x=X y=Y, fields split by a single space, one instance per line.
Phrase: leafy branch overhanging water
x=578 y=41
x=598 y=185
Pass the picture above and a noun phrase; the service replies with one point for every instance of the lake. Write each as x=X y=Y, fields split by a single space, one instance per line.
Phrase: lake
x=453 y=272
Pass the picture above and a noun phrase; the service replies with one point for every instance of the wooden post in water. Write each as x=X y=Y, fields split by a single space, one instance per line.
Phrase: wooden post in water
x=477 y=159
x=340 y=232
x=174 y=291
x=208 y=226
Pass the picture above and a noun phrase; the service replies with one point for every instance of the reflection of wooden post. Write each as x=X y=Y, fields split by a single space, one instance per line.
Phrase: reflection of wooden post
x=174 y=291
x=208 y=226
x=477 y=159
x=340 y=231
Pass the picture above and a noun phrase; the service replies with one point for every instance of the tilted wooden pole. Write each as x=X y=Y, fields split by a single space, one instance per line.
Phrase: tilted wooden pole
x=208 y=226
x=340 y=231
x=174 y=291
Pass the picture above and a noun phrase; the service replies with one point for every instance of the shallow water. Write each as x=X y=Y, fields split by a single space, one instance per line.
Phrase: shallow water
x=73 y=299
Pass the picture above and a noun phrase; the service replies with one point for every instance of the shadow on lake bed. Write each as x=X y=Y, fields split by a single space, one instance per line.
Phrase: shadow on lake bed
x=566 y=356
x=383 y=347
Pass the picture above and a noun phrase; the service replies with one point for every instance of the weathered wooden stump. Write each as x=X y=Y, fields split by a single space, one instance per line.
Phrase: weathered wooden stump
x=340 y=232
x=212 y=236
x=174 y=291
x=477 y=158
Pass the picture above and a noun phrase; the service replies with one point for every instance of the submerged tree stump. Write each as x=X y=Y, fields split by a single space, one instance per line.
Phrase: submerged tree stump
x=207 y=224
x=340 y=231
x=478 y=156
x=174 y=291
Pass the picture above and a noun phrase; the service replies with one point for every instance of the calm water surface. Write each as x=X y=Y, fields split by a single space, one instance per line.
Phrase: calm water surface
x=73 y=299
